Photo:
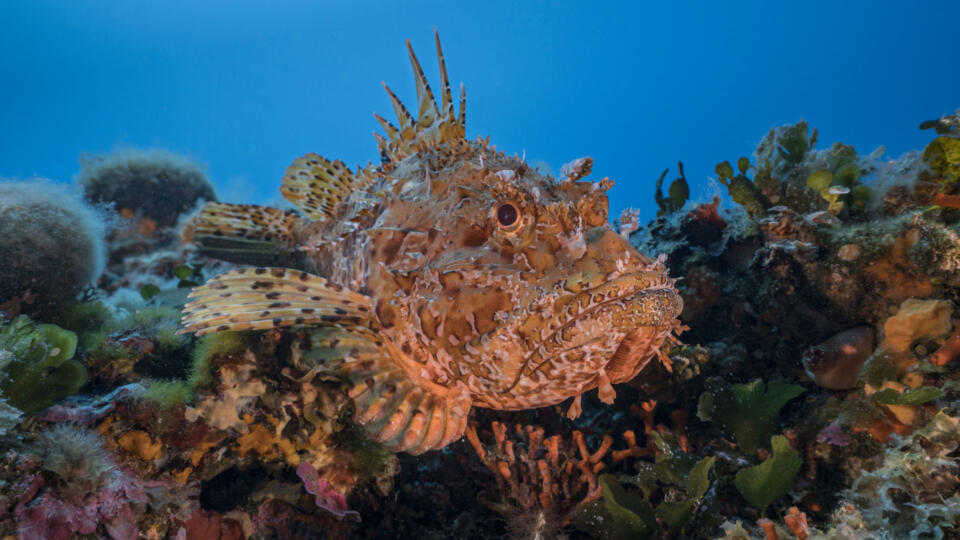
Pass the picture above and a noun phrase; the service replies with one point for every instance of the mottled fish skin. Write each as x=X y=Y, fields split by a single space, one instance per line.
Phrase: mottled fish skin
x=490 y=284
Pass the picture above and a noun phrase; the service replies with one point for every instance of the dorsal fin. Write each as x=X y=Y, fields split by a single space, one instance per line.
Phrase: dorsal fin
x=263 y=298
x=446 y=101
x=426 y=107
x=432 y=126
x=392 y=131
x=317 y=185
x=243 y=222
x=462 y=119
x=245 y=233
x=403 y=115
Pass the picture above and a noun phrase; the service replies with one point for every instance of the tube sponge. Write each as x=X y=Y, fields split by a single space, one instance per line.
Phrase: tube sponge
x=156 y=183
x=51 y=244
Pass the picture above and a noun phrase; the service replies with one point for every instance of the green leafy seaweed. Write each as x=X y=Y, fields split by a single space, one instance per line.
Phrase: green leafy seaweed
x=762 y=484
x=149 y=290
x=677 y=193
x=912 y=396
x=42 y=370
x=677 y=514
x=749 y=413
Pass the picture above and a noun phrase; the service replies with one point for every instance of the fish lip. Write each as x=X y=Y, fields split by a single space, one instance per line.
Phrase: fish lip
x=617 y=289
x=625 y=287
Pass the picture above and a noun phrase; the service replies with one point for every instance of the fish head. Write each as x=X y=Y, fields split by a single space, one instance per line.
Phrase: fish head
x=515 y=284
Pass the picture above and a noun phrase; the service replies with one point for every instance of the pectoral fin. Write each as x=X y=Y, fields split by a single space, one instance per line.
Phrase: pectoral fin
x=393 y=409
x=262 y=298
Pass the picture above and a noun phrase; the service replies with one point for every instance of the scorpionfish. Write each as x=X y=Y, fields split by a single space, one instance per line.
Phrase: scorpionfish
x=447 y=277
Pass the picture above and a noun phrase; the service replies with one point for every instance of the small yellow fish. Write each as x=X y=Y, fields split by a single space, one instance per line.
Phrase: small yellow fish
x=449 y=276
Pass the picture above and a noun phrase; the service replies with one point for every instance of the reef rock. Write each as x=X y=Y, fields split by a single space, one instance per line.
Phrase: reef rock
x=916 y=319
x=836 y=362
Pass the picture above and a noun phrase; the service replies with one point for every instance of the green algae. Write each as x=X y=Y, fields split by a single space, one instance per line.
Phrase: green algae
x=943 y=157
x=209 y=347
x=911 y=396
x=167 y=393
x=772 y=479
x=749 y=413
x=625 y=513
x=742 y=190
x=677 y=193
x=40 y=369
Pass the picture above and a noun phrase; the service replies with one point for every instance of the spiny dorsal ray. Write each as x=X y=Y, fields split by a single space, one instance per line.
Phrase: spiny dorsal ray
x=432 y=126
x=426 y=108
x=446 y=100
x=463 y=109
x=392 y=131
x=403 y=115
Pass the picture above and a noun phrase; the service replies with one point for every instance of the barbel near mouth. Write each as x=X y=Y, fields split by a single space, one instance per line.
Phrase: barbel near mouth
x=644 y=283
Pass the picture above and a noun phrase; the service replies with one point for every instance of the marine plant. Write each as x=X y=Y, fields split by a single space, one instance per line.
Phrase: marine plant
x=88 y=317
x=788 y=171
x=943 y=157
x=838 y=182
x=749 y=413
x=677 y=194
x=86 y=494
x=167 y=393
x=156 y=183
x=207 y=348
x=141 y=343
x=742 y=190
x=626 y=513
x=764 y=483
x=76 y=455
x=40 y=369
x=779 y=156
x=51 y=245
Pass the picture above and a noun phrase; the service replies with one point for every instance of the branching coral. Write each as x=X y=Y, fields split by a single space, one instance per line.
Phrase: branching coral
x=540 y=475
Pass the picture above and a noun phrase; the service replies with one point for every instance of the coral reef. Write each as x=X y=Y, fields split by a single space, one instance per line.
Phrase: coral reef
x=816 y=393
x=51 y=245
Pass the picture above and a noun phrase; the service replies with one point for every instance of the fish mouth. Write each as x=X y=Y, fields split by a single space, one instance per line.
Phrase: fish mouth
x=623 y=304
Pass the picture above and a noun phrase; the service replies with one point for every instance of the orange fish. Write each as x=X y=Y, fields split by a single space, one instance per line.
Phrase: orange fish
x=447 y=277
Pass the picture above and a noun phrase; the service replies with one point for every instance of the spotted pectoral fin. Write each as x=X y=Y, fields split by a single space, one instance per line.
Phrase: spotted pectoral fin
x=261 y=298
x=317 y=185
x=244 y=233
x=403 y=415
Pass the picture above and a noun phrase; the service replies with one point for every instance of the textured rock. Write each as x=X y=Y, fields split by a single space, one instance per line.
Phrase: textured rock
x=916 y=319
x=836 y=362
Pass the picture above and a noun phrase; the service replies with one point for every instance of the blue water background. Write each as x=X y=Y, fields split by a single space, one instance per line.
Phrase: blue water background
x=246 y=87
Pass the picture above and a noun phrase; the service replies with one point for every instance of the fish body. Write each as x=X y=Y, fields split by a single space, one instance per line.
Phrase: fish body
x=449 y=276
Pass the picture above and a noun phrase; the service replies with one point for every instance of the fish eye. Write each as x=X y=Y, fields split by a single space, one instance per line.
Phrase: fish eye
x=507 y=215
